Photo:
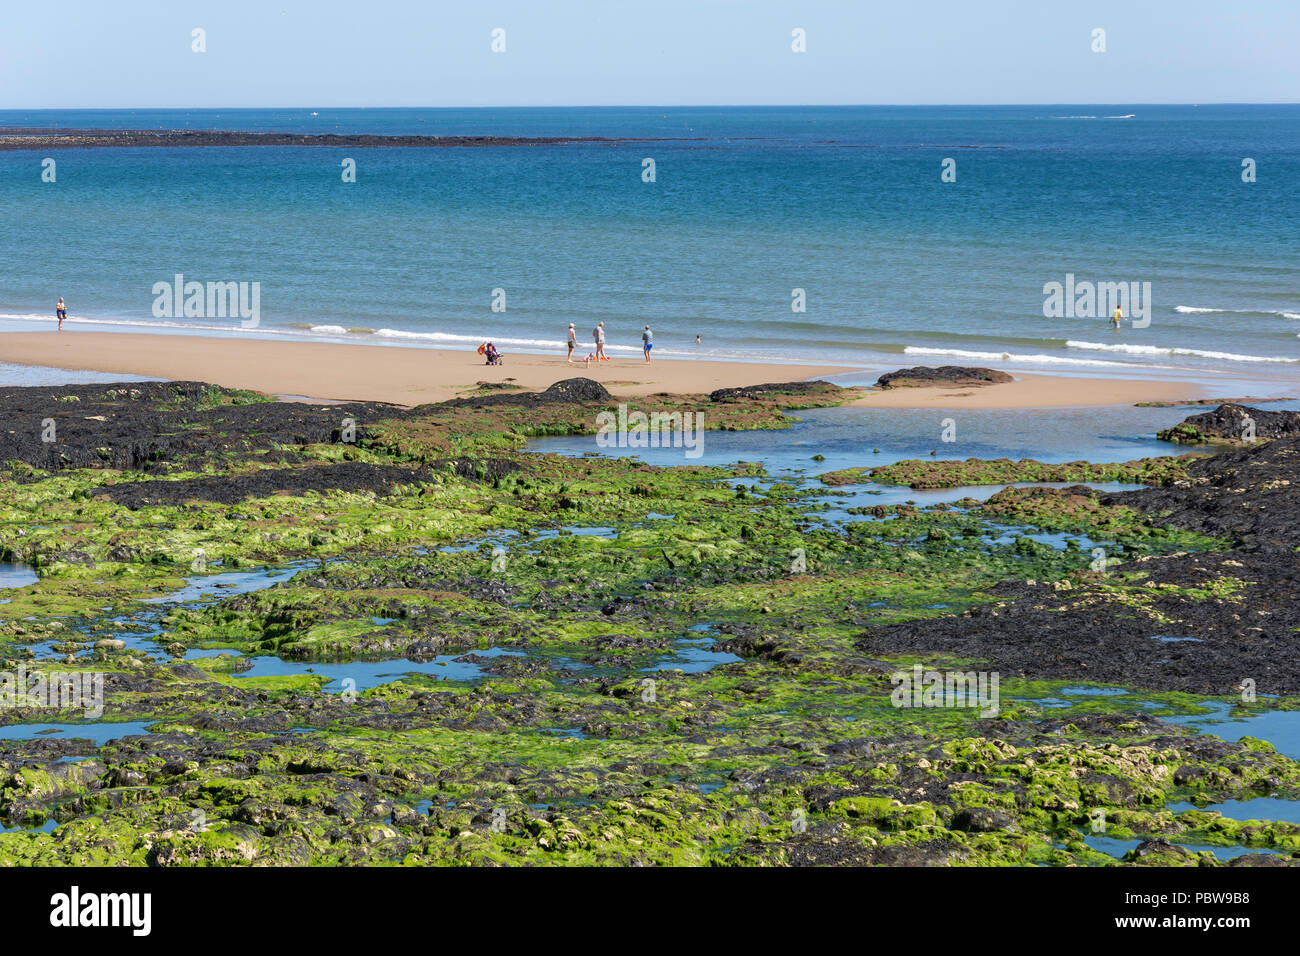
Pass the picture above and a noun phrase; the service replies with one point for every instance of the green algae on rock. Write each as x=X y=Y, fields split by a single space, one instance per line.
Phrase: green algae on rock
x=709 y=688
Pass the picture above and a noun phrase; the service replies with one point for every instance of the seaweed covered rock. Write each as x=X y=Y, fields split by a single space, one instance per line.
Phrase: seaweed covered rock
x=1160 y=852
x=345 y=476
x=752 y=392
x=923 y=376
x=573 y=391
x=1232 y=424
x=925 y=475
x=472 y=469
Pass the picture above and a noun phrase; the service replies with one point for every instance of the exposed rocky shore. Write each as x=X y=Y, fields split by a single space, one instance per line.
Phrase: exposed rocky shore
x=586 y=660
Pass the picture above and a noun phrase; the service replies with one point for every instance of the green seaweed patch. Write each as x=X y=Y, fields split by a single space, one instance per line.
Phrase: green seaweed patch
x=921 y=474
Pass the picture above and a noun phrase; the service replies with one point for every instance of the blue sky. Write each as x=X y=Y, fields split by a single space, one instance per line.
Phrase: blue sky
x=137 y=53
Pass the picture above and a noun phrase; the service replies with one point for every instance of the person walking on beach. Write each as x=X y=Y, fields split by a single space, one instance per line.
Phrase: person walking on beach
x=1117 y=317
x=573 y=341
x=61 y=312
x=598 y=333
x=647 y=343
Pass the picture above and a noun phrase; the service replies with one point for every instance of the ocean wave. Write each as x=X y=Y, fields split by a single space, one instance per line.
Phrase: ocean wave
x=232 y=325
x=439 y=340
x=1015 y=357
x=451 y=338
x=1197 y=310
x=1157 y=350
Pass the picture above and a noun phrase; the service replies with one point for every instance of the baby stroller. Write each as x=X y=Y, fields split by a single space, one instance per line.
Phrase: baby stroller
x=489 y=351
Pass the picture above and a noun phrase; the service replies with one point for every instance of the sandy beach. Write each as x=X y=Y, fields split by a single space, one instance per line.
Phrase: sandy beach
x=412 y=376
x=336 y=371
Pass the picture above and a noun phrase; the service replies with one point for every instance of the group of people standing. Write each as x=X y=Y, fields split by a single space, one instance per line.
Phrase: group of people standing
x=598 y=336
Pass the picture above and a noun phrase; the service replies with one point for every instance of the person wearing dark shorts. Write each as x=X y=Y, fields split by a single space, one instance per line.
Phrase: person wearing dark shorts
x=61 y=312
x=573 y=342
x=647 y=342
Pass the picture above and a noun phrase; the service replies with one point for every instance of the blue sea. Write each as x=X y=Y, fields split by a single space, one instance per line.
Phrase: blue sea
x=847 y=204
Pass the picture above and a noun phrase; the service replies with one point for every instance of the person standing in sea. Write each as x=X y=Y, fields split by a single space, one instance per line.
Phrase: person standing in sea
x=573 y=341
x=61 y=312
x=647 y=343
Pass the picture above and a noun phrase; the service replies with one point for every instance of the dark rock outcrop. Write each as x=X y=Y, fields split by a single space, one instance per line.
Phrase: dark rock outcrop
x=1232 y=424
x=150 y=426
x=923 y=376
x=1217 y=634
x=573 y=391
x=752 y=392
x=156 y=427
x=1250 y=496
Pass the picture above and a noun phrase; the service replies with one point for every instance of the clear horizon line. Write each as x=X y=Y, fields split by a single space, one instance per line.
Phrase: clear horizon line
x=653 y=106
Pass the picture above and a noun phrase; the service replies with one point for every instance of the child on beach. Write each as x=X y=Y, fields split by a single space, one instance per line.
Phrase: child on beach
x=573 y=342
x=647 y=343
x=61 y=312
